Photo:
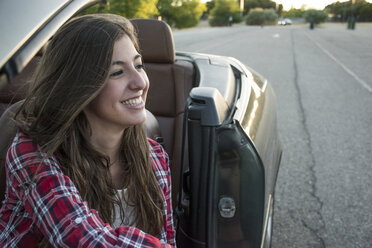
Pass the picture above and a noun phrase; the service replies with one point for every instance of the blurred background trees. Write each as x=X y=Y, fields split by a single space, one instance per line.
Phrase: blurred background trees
x=222 y=11
x=260 y=16
x=342 y=11
x=128 y=8
x=293 y=13
x=187 y=13
x=263 y=4
x=177 y=13
x=255 y=17
x=316 y=16
x=181 y=13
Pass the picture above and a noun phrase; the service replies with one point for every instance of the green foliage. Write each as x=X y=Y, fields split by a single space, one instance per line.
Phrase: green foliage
x=293 y=13
x=255 y=17
x=260 y=16
x=165 y=8
x=279 y=11
x=97 y=8
x=181 y=13
x=365 y=12
x=128 y=8
x=249 y=5
x=317 y=16
x=178 y=13
x=253 y=4
x=341 y=11
x=210 y=5
x=223 y=9
x=270 y=16
x=188 y=14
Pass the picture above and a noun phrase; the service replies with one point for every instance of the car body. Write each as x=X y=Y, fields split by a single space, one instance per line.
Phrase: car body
x=284 y=21
x=229 y=148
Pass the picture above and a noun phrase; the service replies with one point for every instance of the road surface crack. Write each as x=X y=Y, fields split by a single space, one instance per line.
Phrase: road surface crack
x=317 y=229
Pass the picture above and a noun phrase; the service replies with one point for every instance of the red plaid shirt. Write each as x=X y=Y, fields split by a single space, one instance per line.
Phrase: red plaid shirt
x=51 y=206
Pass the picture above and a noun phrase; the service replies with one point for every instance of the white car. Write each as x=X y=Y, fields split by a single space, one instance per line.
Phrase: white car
x=284 y=21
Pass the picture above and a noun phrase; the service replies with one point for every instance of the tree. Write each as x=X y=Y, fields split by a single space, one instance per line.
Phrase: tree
x=252 y=4
x=270 y=16
x=268 y=4
x=221 y=12
x=279 y=9
x=133 y=8
x=209 y=6
x=188 y=13
x=165 y=8
x=294 y=13
x=178 y=13
x=365 y=13
x=341 y=11
x=260 y=16
x=127 y=8
x=255 y=17
x=317 y=16
x=181 y=13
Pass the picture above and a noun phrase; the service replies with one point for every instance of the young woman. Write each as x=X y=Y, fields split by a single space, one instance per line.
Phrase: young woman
x=81 y=171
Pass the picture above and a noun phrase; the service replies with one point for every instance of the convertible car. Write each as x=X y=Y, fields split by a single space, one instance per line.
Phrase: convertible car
x=215 y=117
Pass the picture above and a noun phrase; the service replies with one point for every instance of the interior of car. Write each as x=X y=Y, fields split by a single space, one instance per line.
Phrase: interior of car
x=171 y=80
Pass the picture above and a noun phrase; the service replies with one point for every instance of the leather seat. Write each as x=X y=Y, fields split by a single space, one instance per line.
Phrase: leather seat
x=17 y=88
x=171 y=81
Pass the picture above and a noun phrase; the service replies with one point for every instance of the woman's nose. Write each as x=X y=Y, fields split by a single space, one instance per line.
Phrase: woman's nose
x=138 y=80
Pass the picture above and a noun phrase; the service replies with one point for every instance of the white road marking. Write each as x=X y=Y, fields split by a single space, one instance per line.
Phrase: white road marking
x=350 y=72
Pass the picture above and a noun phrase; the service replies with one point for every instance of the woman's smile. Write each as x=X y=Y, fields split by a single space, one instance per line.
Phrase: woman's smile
x=134 y=102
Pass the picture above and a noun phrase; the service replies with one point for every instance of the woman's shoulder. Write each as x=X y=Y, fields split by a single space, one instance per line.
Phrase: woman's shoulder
x=158 y=155
x=154 y=145
x=23 y=144
x=24 y=151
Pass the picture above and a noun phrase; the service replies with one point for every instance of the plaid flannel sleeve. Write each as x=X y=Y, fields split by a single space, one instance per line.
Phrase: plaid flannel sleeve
x=162 y=171
x=55 y=206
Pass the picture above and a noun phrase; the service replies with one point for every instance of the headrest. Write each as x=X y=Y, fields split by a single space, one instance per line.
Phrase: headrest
x=155 y=40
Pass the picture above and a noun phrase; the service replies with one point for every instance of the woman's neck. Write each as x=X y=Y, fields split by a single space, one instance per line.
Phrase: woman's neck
x=108 y=144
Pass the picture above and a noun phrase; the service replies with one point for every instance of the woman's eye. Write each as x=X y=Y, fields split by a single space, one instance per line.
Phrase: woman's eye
x=140 y=66
x=116 y=73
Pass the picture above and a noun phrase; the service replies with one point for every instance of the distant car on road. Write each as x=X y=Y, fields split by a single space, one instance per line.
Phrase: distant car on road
x=284 y=21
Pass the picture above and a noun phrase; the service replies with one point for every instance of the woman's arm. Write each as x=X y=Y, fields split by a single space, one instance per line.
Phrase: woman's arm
x=56 y=208
x=171 y=233
x=162 y=170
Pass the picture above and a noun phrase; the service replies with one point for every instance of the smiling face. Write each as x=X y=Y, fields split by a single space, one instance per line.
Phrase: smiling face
x=121 y=103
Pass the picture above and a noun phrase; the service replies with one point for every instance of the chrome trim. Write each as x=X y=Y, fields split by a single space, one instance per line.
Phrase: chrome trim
x=267 y=215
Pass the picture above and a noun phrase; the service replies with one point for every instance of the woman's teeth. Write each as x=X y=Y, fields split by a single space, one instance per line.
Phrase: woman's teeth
x=133 y=102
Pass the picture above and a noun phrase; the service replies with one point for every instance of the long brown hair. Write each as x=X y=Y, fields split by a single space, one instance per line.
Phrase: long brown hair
x=71 y=74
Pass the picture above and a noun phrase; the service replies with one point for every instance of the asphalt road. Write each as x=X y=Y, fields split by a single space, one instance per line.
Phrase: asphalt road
x=323 y=82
